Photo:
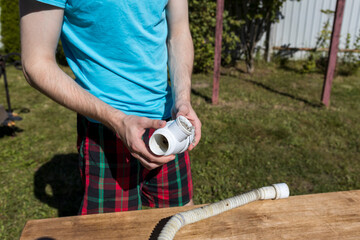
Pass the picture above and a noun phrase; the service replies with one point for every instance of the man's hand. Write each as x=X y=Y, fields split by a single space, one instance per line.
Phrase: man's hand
x=130 y=129
x=184 y=109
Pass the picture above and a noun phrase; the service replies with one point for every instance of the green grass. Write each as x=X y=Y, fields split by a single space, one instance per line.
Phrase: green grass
x=267 y=128
x=270 y=127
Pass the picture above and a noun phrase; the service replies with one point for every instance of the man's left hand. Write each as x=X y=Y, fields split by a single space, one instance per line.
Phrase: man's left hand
x=185 y=109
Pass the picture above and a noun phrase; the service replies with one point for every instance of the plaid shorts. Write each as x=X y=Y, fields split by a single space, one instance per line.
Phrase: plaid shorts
x=116 y=181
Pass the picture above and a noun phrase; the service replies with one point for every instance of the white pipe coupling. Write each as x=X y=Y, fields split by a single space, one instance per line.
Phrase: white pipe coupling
x=174 y=138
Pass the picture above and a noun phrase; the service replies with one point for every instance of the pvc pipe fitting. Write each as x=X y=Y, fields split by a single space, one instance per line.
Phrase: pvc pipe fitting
x=275 y=191
x=282 y=190
x=174 y=138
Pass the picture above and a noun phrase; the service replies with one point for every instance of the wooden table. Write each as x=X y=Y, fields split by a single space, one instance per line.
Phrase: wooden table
x=317 y=216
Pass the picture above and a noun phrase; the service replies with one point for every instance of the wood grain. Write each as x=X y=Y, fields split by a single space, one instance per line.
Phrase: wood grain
x=317 y=216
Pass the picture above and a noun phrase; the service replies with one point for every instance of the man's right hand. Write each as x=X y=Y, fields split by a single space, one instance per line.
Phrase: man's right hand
x=130 y=130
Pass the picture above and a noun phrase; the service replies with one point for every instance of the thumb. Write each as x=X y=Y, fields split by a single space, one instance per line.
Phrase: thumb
x=156 y=123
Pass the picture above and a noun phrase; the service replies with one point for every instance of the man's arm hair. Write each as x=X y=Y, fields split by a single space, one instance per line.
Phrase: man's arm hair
x=181 y=58
x=181 y=50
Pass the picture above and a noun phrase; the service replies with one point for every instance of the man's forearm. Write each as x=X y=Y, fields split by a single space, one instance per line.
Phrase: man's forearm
x=47 y=77
x=181 y=57
x=181 y=50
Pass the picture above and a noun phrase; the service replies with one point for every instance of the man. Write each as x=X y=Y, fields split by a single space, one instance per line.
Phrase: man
x=119 y=52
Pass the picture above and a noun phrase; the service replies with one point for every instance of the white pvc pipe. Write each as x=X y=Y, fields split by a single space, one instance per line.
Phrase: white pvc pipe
x=276 y=191
x=174 y=138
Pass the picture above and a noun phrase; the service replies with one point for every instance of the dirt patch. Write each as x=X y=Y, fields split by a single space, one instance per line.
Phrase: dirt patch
x=237 y=104
x=200 y=85
x=282 y=107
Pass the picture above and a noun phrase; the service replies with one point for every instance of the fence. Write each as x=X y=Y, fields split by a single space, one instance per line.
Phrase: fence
x=303 y=21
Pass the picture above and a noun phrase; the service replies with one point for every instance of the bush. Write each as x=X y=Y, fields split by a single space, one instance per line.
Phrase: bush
x=60 y=55
x=349 y=63
x=10 y=30
x=202 y=14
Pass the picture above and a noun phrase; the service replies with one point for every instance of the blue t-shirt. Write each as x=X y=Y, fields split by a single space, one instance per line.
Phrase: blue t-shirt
x=117 y=51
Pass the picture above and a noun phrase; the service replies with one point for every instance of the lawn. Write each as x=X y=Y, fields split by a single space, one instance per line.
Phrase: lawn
x=268 y=127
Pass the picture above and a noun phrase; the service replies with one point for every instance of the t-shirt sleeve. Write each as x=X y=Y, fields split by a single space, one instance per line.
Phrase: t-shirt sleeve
x=57 y=3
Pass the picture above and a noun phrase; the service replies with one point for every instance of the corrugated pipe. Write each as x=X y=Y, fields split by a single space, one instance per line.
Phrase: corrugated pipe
x=276 y=191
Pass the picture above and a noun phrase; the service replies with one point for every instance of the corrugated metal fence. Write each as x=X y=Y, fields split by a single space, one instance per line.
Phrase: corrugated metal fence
x=303 y=22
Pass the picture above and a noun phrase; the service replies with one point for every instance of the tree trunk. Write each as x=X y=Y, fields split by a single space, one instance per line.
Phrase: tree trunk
x=250 y=63
x=267 y=43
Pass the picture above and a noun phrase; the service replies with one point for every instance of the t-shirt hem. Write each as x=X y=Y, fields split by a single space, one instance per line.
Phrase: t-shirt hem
x=60 y=4
x=166 y=117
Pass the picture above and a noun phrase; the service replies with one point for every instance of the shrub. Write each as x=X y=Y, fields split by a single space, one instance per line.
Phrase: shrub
x=10 y=30
x=349 y=63
x=60 y=55
x=202 y=14
x=317 y=61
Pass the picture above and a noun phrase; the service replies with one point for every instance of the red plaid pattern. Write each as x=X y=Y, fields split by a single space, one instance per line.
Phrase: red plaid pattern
x=115 y=181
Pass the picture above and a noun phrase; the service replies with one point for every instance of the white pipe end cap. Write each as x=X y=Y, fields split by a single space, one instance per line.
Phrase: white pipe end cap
x=282 y=190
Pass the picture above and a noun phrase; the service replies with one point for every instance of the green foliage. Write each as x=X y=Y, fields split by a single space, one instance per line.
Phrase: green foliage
x=317 y=60
x=310 y=64
x=202 y=27
x=230 y=39
x=202 y=14
x=323 y=40
x=349 y=62
x=60 y=55
x=10 y=30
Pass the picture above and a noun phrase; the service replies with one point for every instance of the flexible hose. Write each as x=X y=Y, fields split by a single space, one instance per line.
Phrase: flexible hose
x=276 y=191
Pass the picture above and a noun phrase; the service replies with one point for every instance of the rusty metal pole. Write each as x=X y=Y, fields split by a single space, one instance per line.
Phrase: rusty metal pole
x=217 y=57
x=334 y=47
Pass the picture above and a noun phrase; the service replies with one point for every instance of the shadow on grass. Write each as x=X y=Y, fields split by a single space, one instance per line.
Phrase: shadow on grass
x=307 y=102
x=58 y=184
x=12 y=130
x=9 y=131
x=288 y=68
x=199 y=94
